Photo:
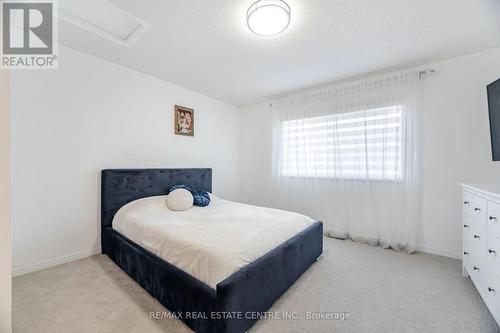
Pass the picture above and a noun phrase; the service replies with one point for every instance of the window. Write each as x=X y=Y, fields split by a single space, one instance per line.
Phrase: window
x=364 y=145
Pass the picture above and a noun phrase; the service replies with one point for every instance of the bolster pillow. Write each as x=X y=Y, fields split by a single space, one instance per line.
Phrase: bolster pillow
x=179 y=199
x=200 y=198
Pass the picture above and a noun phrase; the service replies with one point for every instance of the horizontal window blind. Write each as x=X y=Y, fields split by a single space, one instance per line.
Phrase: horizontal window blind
x=358 y=145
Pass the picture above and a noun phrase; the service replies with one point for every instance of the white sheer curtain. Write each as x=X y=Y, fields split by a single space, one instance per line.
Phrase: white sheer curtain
x=347 y=155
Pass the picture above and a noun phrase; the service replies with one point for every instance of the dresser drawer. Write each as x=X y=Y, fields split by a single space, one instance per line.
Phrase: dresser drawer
x=493 y=253
x=477 y=261
x=468 y=202
x=477 y=238
x=477 y=272
x=493 y=218
x=492 y=291
x=467 y=240
x=478 y=210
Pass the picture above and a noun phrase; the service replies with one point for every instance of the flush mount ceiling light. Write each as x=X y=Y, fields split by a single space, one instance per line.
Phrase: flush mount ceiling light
x=268 y=17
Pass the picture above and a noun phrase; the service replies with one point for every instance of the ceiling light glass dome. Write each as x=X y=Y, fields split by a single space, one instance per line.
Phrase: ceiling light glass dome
x=268 y=17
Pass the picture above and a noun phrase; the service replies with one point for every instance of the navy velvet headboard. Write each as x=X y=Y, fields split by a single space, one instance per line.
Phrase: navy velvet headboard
x=121 y=186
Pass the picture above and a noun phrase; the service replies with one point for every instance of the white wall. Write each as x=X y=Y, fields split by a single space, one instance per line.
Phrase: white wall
x=90 y=114
x=456 y=143
x=455 y=147
x=5 y=201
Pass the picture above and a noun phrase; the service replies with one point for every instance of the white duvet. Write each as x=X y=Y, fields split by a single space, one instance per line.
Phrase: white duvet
x=209 y=243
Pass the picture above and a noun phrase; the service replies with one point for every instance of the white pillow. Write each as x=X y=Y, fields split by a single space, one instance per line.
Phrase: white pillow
x=180 y=199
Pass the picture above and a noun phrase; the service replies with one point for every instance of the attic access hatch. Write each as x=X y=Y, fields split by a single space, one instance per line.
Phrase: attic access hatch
x=104 y=19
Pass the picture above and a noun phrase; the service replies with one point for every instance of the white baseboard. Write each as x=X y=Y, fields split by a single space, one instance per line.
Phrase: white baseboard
x=439 y=252
x=54 y=262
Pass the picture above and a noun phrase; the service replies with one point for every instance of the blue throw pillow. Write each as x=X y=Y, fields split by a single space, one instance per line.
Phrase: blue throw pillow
x=200 y=198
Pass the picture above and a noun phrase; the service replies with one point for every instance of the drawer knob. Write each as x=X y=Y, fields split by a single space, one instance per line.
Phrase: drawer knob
x=491 y=251
x=466 y=202
x=476 y=236
x=466 y=225
x=492 y=218
x=466 y=253
x=491 y=290
x=477 y=209
x=476 y=268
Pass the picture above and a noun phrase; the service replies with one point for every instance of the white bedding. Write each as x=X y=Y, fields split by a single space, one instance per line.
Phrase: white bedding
x=209 y=243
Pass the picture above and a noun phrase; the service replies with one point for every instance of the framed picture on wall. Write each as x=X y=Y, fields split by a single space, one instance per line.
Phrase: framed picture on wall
x=184 y=121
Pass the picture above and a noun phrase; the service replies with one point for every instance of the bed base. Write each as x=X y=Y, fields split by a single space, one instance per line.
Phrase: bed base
x=235 y=304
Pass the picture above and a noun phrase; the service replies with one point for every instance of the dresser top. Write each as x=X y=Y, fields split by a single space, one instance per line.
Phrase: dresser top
x=488 y=189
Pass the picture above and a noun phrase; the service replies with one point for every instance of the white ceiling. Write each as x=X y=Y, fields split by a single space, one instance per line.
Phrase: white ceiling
x=205 y=45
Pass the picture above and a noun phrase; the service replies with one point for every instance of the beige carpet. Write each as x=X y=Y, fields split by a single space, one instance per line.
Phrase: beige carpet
x=381 y=290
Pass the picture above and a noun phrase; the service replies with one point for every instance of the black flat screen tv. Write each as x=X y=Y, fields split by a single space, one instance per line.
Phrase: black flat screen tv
x=494 y=109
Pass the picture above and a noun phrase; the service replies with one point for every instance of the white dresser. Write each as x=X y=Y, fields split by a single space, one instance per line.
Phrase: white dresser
x=481 y=241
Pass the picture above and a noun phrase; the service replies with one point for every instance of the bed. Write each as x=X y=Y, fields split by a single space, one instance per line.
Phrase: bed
x=202 y=302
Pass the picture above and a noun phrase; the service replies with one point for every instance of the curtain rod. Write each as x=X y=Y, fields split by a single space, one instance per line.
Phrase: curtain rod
x=420 y=75
x=425 y=72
